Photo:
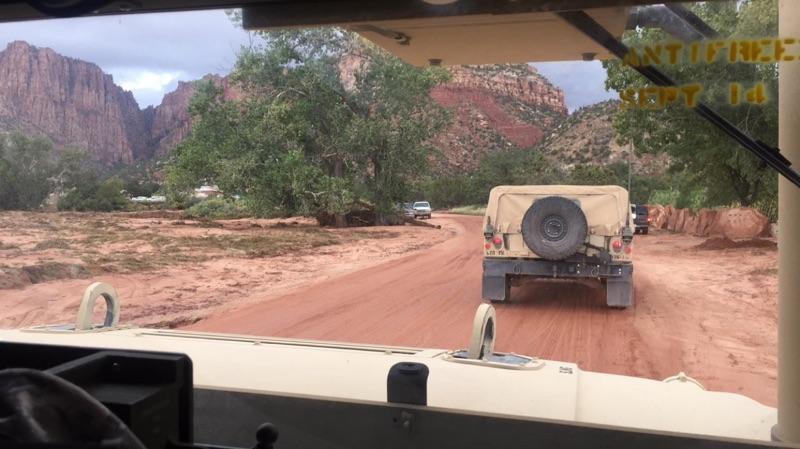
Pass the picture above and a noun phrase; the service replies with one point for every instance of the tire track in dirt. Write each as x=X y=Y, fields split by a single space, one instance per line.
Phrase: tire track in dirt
x=428 y=299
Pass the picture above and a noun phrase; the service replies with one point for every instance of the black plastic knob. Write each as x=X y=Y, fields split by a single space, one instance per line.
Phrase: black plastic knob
x=407 y=383
x=266 y=436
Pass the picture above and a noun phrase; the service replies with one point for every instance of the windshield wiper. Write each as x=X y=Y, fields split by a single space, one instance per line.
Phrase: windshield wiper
x=766 y=153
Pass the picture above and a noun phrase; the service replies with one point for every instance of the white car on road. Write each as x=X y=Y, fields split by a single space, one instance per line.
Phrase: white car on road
x=422 y=209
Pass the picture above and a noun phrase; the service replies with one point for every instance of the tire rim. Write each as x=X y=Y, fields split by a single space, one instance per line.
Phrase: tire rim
x=554 y=228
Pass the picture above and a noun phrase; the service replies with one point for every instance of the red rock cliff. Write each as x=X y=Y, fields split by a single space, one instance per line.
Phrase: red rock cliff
x=495 y=107
x=75 y=104
x=72 y=102
x=171 y=122
x=519 y=81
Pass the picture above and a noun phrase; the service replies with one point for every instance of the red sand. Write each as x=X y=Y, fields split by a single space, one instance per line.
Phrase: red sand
x=711 y=314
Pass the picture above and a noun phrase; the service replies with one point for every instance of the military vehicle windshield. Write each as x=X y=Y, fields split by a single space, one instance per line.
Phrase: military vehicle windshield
x=257 y=181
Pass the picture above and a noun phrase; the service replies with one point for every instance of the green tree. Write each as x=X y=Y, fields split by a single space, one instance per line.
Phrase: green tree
x=105 y=196
x=593 y=175
x=709 y=164
x=74 y=169
x=139 y=179
x=79 y=183
x=25 y=170
x=513 y=167
x=448 y=190
x=326 y=122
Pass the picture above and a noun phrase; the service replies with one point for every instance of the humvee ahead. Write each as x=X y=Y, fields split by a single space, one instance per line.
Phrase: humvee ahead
x=561 y=232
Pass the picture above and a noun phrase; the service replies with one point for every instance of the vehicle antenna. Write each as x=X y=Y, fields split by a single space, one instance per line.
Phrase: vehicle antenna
x=630 y=156
x=630 y=194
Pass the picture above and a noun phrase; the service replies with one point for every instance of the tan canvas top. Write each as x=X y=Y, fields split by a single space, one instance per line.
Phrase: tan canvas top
x=606 y=207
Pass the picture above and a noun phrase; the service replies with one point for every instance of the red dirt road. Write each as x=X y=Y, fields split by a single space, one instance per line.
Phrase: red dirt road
x=704 y=312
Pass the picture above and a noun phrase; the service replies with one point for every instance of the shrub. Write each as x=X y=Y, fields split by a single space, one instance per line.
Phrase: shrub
x=56 y=243
x=448 y=191
x=105 y=196
x=179 y=199
x=477 y=209
x=218 y=208
x=769 y=207
x=664 y=197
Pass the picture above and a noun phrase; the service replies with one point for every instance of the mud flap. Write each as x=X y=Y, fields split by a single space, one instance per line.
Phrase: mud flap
x=619 y=290
x=496 y=288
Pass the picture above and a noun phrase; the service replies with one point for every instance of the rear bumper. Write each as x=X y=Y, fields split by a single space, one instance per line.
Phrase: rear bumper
x=554 y=268
x=496 y=285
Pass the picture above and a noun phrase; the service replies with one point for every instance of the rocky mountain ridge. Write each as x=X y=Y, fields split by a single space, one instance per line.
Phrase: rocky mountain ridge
x=76 y=105
x=587 y=136
x=171 y=122
x=72 y=102
x=493 y=107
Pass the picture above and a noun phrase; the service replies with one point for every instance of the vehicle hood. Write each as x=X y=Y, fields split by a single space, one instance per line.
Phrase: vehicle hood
x=351 y=372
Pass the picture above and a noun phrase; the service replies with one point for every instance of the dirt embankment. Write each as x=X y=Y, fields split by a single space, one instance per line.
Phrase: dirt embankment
x=737 y=223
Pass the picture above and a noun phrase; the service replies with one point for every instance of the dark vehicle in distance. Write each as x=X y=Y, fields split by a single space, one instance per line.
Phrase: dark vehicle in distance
x=641 y=219
x=407 y=209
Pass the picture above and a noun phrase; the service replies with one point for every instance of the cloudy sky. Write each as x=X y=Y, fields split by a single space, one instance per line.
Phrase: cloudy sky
x=149 y=53
x=145 y=53
x=582 y=82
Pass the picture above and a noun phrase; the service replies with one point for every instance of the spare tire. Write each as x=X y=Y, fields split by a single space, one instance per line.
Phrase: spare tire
x=554 y=227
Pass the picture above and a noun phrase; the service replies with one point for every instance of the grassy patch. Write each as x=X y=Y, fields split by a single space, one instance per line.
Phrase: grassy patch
x=34 y=274
x=172 y=251
x=7 y=246
x=105 y=246
x=767 y=271
x=116 y=235
x=133 y=262
x=263 y=245
x=469 y=210
x=57 y=243
x=55 y=270
x=365 y=235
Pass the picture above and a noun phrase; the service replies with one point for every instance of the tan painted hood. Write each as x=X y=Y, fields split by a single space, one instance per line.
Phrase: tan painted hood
x=351 y=372
x=607 y=208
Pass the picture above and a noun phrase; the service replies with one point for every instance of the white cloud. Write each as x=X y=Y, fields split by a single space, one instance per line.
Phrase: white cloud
x=148 y=81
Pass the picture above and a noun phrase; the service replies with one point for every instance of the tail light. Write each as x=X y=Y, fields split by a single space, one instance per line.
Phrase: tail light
x=628 y=249
x=649 y=219
x=498 y=241
x=488 y=246
x=616 y=245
